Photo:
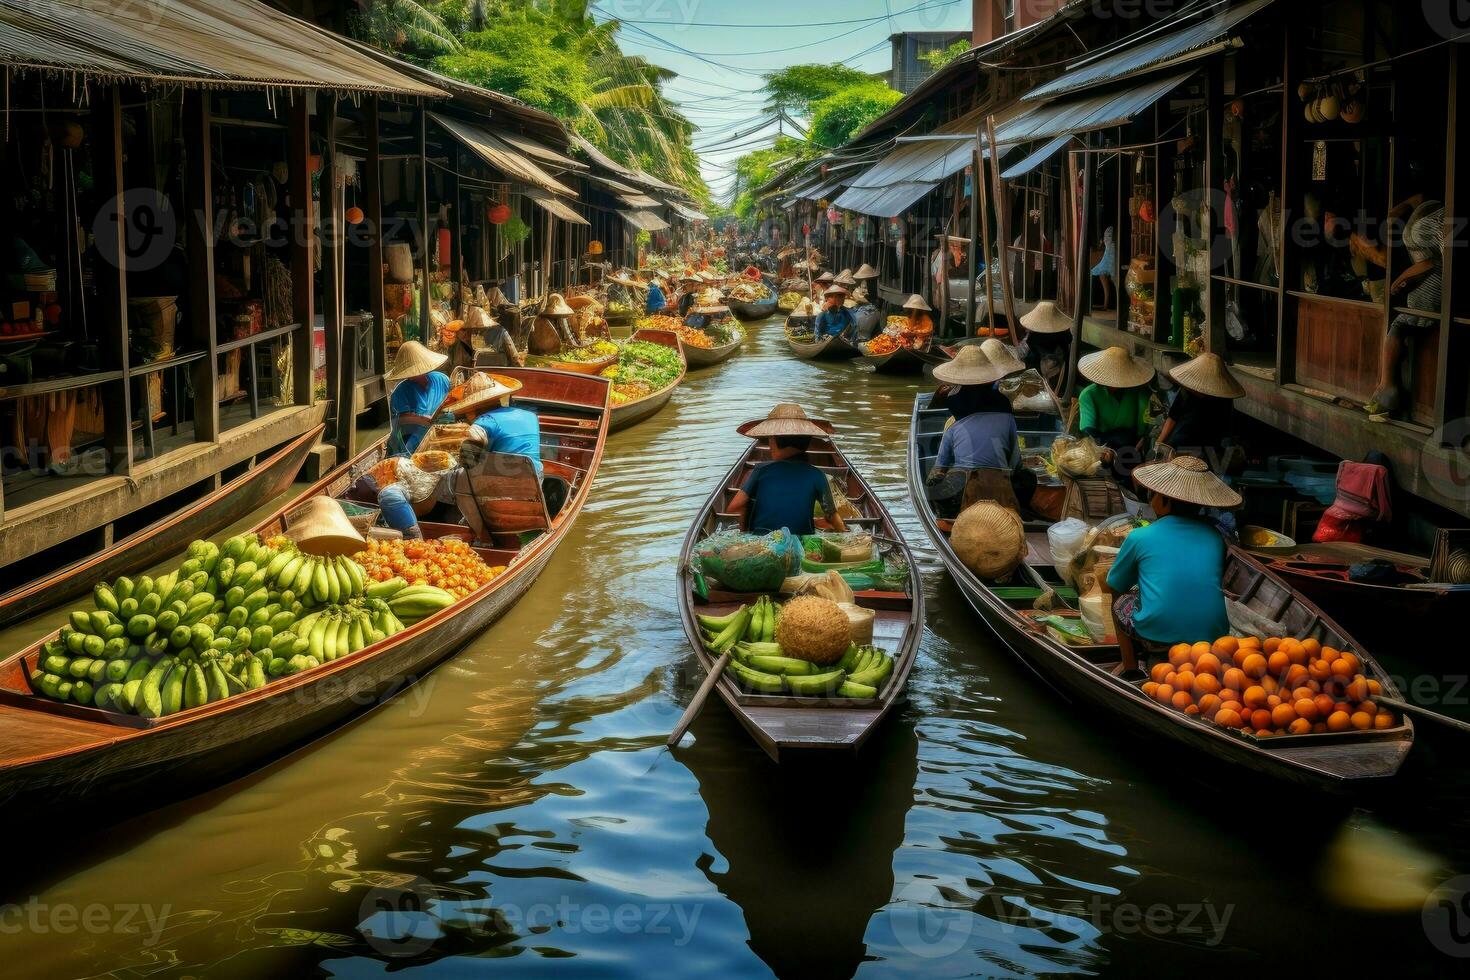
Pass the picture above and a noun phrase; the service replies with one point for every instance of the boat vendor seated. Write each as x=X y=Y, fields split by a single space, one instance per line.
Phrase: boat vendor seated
x=1168 y=575
x=918 y=326
x=785 y=491
x=419 y=392
x=495 y=427
x=1113 y=410
x=656 y=300
x=1048 y=343
x=689 y=287
x=979 y=455
x=836 y=319
x=1199 y=420
x=821 y=284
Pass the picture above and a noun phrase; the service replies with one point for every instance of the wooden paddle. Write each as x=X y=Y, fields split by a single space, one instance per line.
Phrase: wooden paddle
x=1454 y=724
x=696 y=705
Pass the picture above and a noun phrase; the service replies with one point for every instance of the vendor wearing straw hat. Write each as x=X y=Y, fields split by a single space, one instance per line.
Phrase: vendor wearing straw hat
x=656 y=298
x=836 y=319
x=1048 y=341
x=420 y=391
x=821 y=284
x=979 y=455
x=689 y=287
x=1113 y=410
x=918 y=327
x=1176 y=564
x=1199 y=421
x=786 y=490
x=495 y=427
x=866 y=276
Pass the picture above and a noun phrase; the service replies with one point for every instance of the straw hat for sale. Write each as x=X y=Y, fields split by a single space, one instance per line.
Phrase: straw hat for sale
x=320 y=527
x=860 y=295
x=1187 y=478
x=917 y=302
x=1208 y=375
x=482 y=390
x=1115 y=368
x=845 y=278
x=785 y=419
x=414 y=359
x=556 y=305
x=1000 y=355
x=1046 y=318
x=824 y=276
x=971 y=366
x=865 y=271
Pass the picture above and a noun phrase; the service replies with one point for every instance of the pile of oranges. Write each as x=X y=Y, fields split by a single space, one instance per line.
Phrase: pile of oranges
x=1272 y=687
x=449 y=563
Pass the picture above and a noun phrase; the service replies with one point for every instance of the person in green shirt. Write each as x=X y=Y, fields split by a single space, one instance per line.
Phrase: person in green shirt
x=1113 y=410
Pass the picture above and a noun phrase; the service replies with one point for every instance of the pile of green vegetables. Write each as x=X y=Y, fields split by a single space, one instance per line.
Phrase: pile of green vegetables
x=654 y=365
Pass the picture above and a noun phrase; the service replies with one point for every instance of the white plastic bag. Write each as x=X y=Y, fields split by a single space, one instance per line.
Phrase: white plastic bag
x=1066 y=539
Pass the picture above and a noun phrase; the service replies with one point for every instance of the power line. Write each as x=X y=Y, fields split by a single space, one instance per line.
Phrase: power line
x=764 y=27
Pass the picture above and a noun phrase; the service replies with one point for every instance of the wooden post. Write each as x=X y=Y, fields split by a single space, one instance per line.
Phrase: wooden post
x=372 y=192
x=982 y=193
x=303 y=237
x=112 y=283
x=1291 y=75
x=1452 y=391
x=974 y=235
x=1082 y=302
x=456 y=230
x=1215 y=292
x=425 y=233
x=1003 y=232
x=199 y=247
x=341 y=358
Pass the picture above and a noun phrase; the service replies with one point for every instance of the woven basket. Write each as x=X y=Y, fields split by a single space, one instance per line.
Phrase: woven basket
x=989 y=539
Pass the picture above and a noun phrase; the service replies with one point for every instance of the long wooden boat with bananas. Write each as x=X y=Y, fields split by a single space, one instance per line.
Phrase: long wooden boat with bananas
x=259 y=484
x=55 y=754
x=791 y=723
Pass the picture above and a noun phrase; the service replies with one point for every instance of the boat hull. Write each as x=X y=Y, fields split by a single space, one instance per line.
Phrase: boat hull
x=903 y=361
x=631 y=413
x=698 y=357
x=748 y=312
x=827 y=349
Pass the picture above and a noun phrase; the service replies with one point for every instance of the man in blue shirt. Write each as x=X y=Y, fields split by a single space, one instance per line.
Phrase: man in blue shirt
x=1176 y=564
x=786 y=490
x=656 y=299
x=420 y=393
x=836 y=319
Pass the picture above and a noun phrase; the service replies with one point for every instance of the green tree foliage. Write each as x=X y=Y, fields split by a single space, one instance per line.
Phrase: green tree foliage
x=841 y=116
x=938 y=59
x=756 y=168
x=798 y=88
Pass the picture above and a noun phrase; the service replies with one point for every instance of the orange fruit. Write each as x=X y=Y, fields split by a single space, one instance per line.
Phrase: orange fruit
x=1311 y=647
x=1182 y=699
x=1319 y=727
x=1299 y=727
x=1208 y=663
x=1269 y=683
x=1261 y=719
x=1272 y=700
x=1291 y=647
x=1228 y=717
x=1342 y=706
x=1179 y=654
x=1254 y=642
x=1235 y=678
x=1283 y=715
x=1185 y=680
x=1192 y=709
x=1295 y=676
x=1255 y=697
x=1374 y=687
x=1361 y=720
x=1238 y=657
x=1209 y=704
x=1254 y=665
x=1319 y=670
x=1357 y=689
x=1303 y=692
x=1171 y=678
x=1149 y=687
x=1164 y=693
x=1206 y=684
x=1159 y=672
x=1264 y=733
x=1339 y=721
x=1272 y=644
x=1368 y=706
x=1329 y=654
x=1307 y=708
x=1229 y=694
x=1353 y=661
x=1383 y=720
x=1344 y=668
x=1225 y=646
x=1278 y=662
x=1198 y=650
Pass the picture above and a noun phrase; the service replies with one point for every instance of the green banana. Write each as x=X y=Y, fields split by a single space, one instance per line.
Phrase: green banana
x=196 y=688
x=390 y=588
x=255 y=675
x=357 y=639
x=105 y=598
x=219 y=688
x=756 y=680
x=847 y=689
x=717 y=624
x=814 y=685
x=317 y=637
x=780 y=665
x=344 y=636
x=123 y=588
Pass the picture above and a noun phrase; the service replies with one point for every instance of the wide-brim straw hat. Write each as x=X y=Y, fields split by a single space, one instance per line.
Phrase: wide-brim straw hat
x=917 y=302
x=1046 y=318
x=865 y=271
x=1115 y=368
x=556 y=305
x=1000 y=355
x=412 y=360
x=1208 y=375
x=625 y=280
x=971 y=366
x=785 y=419
x=482 y=389
x=1187 y=478
x=845 y=277
x=320 y=527
x=834 y=291
x=824 y=276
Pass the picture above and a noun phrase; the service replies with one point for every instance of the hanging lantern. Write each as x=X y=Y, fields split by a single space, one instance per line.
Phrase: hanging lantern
x=354 y=216
x=834 y=216
x=498 y=214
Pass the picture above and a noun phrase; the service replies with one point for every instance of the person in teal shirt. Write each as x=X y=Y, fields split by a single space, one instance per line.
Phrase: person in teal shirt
x=1167 y=575
x=1113 y=410
x=508 y=429
x=835 y=320
x=418 y=396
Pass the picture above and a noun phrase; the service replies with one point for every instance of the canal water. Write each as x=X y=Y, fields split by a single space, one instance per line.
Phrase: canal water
x=516 y=811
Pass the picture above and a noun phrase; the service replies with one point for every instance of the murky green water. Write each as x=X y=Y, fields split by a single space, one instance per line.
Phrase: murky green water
x=517 y=810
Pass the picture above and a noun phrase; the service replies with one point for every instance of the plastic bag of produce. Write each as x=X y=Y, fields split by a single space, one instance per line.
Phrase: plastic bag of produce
x=1066 y=539
x=749 y=562
x=1076 y=457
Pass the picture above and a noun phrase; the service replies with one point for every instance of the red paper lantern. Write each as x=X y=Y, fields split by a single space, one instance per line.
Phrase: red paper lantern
x=354 y=216
x=498 y=214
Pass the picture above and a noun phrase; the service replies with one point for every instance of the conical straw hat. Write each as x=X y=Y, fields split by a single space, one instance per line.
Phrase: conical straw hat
x=1046 y=318
x=1000 y=355
x=412 y=360
x=319 y=527
x=845 y=278
x=556 y=305
x=1208 y=375
x=834 y=291
x=623 y=279
x=866 y=271
x=971 y=366
x=482 y=389
x=917 y=302
x=785 y=419
x=1115 y=368
x=1187 y=478
x=824 y=276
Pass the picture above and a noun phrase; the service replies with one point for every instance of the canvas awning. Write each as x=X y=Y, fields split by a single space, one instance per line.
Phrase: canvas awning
x=686 y=212
x=911 y=170
x=501 y=155
x=539 y=151
x=638 y=201
x=555 y=206
x=212 y=43
x=644 y=220
x=1084 y=115
x=1176 y=47
x=1036 y=158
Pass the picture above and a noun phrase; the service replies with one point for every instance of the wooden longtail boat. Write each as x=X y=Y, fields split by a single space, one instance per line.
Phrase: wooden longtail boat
x=762 y=310
x=781 y=724
x=698 y=357
x=1331 y=761
x=259 y=484
x=906 y=360
x=832 y=348
x=626 y=414
x=55 y=755
x=1375 y=613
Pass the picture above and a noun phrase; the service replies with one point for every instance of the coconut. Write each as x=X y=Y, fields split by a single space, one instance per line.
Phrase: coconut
x=989 y=539
x=813 y=629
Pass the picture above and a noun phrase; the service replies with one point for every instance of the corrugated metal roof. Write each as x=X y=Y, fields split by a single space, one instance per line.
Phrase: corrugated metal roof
x=644 y=220
x=1087 y=114
x=215 y=43
x=501 y=155
x=913 y=169
x=687 y=213
x=1184 y=44
x=556 y=206
x=1035 y=158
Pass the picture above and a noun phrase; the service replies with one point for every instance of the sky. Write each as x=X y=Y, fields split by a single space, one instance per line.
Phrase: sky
x=720 y=62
